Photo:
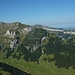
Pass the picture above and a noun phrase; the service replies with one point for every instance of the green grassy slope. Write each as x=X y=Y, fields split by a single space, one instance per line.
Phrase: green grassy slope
x=4 y=73
x=44 y=68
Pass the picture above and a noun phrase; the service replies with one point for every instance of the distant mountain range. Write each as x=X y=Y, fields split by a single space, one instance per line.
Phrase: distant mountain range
x=3 y=24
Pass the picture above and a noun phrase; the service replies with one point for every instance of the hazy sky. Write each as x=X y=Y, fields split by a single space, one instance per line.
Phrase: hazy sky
x=56 y=13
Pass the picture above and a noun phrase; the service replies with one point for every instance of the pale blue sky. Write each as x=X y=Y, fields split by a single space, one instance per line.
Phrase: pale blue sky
x=55 y=13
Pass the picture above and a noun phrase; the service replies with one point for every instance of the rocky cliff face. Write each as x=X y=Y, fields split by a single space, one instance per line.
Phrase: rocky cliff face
x=33 y=40
x=10 y=32
x=28 y=41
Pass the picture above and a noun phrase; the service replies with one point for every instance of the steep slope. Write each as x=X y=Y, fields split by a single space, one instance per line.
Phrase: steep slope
x=11 y=35
x=30 y=48
x=34 y=38
x=37 y=51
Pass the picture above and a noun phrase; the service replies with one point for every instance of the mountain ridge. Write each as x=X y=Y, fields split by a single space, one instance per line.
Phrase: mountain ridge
x=36 y=49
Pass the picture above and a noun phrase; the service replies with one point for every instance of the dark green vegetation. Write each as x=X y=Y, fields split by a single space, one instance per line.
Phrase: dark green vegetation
x=40 y=53
x=62 y=50
x=12 y=70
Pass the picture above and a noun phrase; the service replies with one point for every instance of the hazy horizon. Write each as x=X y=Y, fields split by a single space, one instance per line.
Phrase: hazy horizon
x=54 y=13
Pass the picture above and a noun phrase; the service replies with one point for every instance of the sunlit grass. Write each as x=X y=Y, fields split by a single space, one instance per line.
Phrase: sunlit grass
x=44 y=68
